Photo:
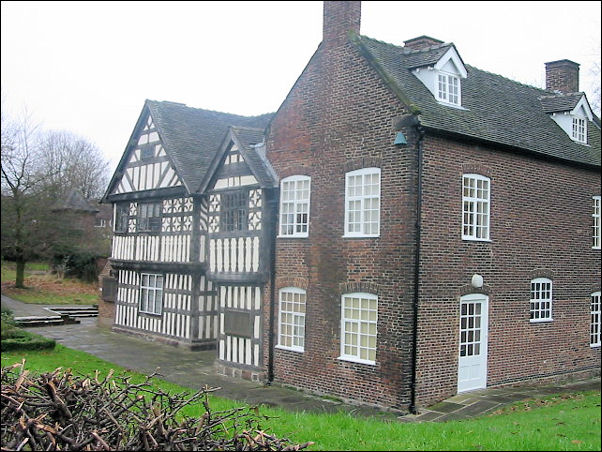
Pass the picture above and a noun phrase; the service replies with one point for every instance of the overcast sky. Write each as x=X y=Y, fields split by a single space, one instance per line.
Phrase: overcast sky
x=87 y=67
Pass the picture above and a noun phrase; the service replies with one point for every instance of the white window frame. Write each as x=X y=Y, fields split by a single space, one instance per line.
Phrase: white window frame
x=596 y=223
x=348 y=322
x=475 y=202
x=298 y=204
x=594 y=336
x=445 y=83
x=298 y=319
x=579 y=129
x=156 y=290
x=538 y=296
x=361 y=200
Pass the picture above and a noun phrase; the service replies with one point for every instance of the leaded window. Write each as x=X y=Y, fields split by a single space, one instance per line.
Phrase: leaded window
x=596 y=220
x=359 y=312
x=541 y=300
x=448 y=89
x=595 y=320
x=149 y=217
x=234 y=211
x=294 y=206
x=121 y=217
x=362 y=203
x=579 y=129
x=151 y=293
x=476 y=192
x=292 y=319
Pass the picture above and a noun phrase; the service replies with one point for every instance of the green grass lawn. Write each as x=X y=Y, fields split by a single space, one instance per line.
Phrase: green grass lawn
x=568 y=422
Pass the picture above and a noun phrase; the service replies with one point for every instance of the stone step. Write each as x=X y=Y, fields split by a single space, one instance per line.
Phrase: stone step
x=39 y=320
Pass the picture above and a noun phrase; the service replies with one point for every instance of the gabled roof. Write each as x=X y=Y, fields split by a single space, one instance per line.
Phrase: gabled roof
x=425 y=57
x=555 y=103
x=74 y=201
x=192 y=136
x=495 y=109
x=251 y=142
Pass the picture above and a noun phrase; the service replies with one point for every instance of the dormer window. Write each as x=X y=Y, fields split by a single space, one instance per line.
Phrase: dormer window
x=571 y=112
x=441 y=70
x=579 y=129
x=449 y=89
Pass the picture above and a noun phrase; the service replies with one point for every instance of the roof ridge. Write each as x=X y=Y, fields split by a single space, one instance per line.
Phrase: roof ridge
x=509 y=79
x=206 y=110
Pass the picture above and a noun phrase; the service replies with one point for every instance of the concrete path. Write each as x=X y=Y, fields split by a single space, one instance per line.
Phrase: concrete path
x=195 y=369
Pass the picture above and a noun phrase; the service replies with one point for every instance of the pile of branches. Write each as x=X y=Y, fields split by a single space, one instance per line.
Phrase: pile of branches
x=61 y=411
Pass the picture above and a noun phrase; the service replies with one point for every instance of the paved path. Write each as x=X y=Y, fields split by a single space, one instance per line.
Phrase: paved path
x=195 y=369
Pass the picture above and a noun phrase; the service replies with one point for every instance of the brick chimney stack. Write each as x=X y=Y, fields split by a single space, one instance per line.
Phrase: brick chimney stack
x=339 y=19
x=563 y=76
x=421 y=42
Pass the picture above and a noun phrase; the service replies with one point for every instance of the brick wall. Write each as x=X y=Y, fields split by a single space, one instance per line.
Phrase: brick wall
x=540 y=226
x=339 y=117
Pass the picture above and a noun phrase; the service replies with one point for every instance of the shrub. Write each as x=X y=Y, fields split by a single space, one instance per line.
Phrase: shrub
x=14 y=338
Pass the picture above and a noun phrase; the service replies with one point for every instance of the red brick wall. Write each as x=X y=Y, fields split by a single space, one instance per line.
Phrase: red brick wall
x=339 y=117
x=540 y=226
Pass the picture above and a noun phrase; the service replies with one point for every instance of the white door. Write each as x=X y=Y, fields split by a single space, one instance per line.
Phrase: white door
x=472 y=362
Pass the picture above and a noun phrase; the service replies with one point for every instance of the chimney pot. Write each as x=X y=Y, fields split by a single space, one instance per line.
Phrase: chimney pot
x=339 y=19
x=563 y=76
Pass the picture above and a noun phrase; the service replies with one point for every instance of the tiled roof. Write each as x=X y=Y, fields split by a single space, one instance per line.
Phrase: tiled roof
x=75 y=201
x=255 y=158
x=426 y=57
x=495 y=109
x=555 y=103
x=192 y=136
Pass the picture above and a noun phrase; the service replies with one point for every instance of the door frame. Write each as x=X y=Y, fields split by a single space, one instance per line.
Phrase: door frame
x=484 y=335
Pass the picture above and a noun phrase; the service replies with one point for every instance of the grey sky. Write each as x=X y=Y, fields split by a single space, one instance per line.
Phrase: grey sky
x=87 y=67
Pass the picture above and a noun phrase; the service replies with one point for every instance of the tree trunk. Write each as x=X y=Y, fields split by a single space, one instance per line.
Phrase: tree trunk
x=19 y=281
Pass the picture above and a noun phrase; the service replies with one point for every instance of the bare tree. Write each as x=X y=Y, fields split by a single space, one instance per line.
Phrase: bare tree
x=73 y=163
x=21 y=184
x=39 y=169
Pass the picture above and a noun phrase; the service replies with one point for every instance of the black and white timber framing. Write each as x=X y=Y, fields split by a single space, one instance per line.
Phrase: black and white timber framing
x=189 y=251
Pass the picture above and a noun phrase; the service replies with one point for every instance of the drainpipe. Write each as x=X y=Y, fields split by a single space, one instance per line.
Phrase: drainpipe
x=413 y=408
x=273 y=209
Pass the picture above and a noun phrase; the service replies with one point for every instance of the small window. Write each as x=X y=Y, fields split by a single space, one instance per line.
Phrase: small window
x=121 y=217
x=596 y=226
x=475 y=207
x=294 y=206
x=541 y=300
x=359 y=313
x=151 y=293
x=362 y=203
x=234 y=211
x=448 y=89
x=579 y=129
x=292 y=319
x=595 y=320
x=149 y=217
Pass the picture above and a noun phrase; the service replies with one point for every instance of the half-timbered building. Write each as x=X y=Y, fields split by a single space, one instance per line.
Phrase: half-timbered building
x=161 y=242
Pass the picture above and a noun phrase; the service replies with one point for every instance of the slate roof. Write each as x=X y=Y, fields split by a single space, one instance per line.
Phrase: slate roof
x=254 y=156
x=75 y=201
x=192 y=136
x=421 y=58
x=495 y=109
x=560 y=102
